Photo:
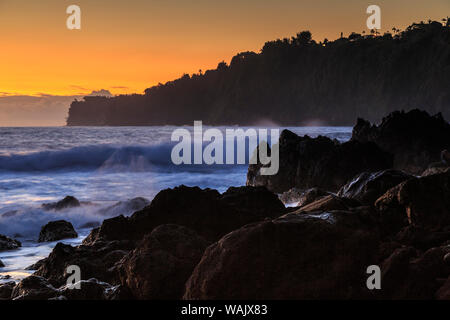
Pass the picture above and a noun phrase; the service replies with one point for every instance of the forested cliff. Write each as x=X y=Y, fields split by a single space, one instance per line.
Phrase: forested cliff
x=297 y=81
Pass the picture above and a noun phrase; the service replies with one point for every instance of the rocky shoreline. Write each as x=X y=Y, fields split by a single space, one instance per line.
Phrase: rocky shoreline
x=382 y=199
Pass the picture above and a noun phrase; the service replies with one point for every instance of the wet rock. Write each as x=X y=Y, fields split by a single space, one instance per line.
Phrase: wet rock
x=425 y=201
x=422 y=238
x=67 y=202
x=444 y=292
x=95 y=261
x=311 y=195
x=206 y=211
x=123 y=207
x=35 y=266
x=57 y=230
x=1 y=264
x=120 y=292
x=302 y=197
x=291 y=196
x=330 y=202
x=292 y=257
x=7 y=243
x=34 y=288
x=91 y=289
x=161 y=264
x=415 y=138
x=394 y=268
x=406 y=274
x=435 y=170
x=319 y=162
x=368 y=187
x=6 y=290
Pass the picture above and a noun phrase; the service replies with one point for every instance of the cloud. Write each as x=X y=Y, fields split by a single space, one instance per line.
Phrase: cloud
x=78 y=87
x=102 y=92
x=119 y=87
x=40 y=110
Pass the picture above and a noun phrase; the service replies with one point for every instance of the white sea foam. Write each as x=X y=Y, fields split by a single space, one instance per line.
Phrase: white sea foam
x=97 y=165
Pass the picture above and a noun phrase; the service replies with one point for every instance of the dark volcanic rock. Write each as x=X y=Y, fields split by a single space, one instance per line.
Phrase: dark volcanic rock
x=406 y=274
x=319 y=162
x=302 y=197
x=57 y=230
x=424 y=202
x=422 y=238
x=120 y=207
x=368 y=187
x=91 y=289
x=95 y=261
x=161 y=264
x=35 y=266
x=207 y=212
x=6 y=290
x=8 y=243
x=415 y=138
x=435 y=170
x=330 y=202
x=67 y=202
x=34 y=288
x=444 y=292
x=293 y=257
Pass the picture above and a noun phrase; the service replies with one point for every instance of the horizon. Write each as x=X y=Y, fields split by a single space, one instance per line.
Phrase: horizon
x=127 y=48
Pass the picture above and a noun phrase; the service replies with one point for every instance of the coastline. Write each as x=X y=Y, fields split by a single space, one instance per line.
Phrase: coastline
x=351 y=213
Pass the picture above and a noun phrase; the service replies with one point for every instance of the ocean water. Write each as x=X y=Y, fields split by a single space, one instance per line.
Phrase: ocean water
x=103 y=167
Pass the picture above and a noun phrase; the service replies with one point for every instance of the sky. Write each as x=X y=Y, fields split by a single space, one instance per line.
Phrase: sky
x=128 y=46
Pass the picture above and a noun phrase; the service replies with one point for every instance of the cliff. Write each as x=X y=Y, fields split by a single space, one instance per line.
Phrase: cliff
x=297 y=81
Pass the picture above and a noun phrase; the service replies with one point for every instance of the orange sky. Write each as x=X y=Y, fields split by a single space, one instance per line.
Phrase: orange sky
x=127 y=46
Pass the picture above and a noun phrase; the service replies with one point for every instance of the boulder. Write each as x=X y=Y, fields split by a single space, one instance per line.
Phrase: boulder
x=57 y=230
x=34 y=288
x=67 y=202
x=122 y=207
x=91 y=289
x=321 y=256
x=205 y=211
x=423 y=202
x=368 y=187
x=407 y=274
x=161 y=264
x=422 y=238
x=6 y=290
x=319 y=162
x=435 y=170
x=95 y=261
x=120 y=292
x=1 y=264
x=330 y=202
x=415 y=138
x=7 y=243
x=444 y=292
x=35 y=266
x=302 y=197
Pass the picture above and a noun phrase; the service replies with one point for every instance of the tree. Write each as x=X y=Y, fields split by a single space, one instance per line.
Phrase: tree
x=303 y=38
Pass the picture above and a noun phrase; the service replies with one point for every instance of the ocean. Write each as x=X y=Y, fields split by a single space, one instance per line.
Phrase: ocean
x=104 y=168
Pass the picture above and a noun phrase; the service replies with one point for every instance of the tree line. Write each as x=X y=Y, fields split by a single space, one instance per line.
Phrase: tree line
x=297 y=81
